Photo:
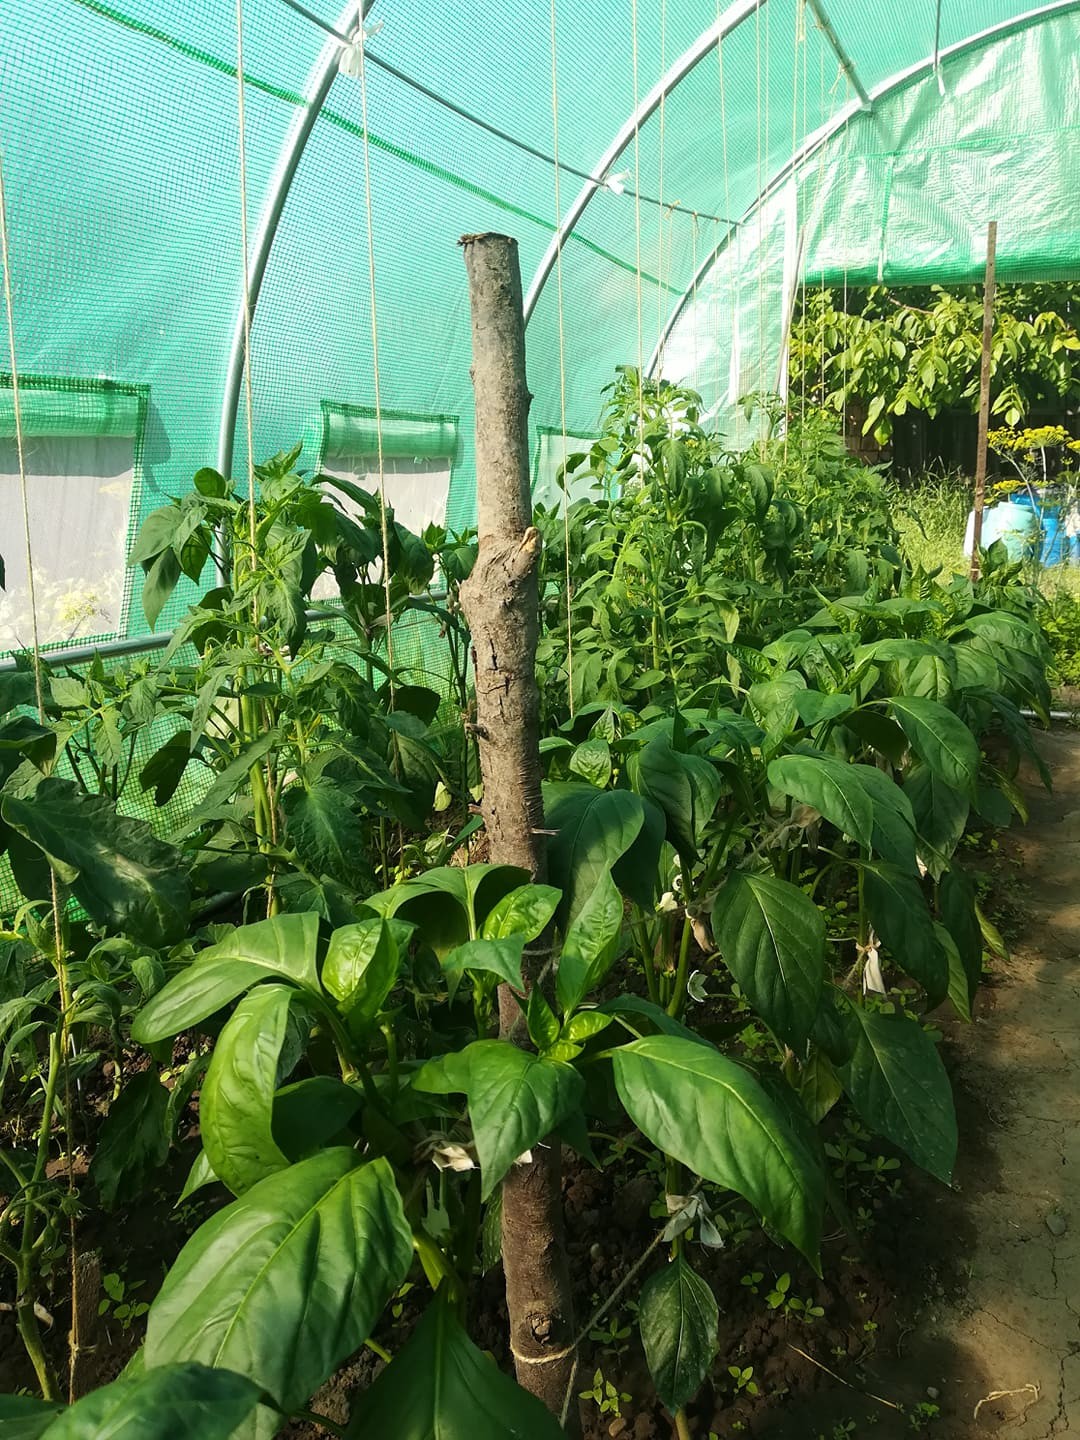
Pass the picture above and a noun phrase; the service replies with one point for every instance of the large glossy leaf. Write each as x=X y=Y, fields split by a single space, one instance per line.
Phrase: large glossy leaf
x=644 y=1017
x=287 y=1281
x=772 y=938
x=525 y=911
x=958 y=980
x=594 y=828
x=449 y=904
x=493 y=957
x=362 y=965
x=687 y=788
x=893 y=835
x=678 y=1317
x=940 y=739
x=774 y=704
x=589 y=944
x=710 y=1114
x=879 y=732
x=940 y=811
x=309 y=1114
x=134 y=1140
x=515 y=1099
x=237 y=1101
x=959 y=913
x=163 y=1404
x=931 y=675
x=324 y=826
x=637 y=871
x=898 y=1085
x=283 y=947
x=124 y=876
x=441 y=1387
x=830 y=787
x=899 y=913
x=23 y=1417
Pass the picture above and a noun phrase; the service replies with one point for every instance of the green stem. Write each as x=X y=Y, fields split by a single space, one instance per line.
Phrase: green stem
x=682 y=1425
x=26 y=1319
x=641 y=934
x=436 y=1266
x=677 y=1003
x=465 y=1251
x=320 y=1420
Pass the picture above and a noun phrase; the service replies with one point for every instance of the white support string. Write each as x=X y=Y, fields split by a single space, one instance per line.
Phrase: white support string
x=369 y=208
x=58 y=958
x=249 y=405
x=562 y=356
x=637 y=235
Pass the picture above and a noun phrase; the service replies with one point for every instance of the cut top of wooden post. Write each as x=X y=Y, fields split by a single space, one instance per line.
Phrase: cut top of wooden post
x=504 y=507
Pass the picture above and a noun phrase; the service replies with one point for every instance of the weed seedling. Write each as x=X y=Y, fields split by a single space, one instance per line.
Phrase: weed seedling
x=606 y=1397
x=117 y=1301
x=744 y=1379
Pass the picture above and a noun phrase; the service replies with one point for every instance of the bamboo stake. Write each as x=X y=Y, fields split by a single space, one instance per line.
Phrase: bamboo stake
x=989 y=287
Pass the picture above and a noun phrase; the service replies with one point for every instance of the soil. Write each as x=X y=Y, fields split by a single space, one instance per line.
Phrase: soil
x=959 y=1300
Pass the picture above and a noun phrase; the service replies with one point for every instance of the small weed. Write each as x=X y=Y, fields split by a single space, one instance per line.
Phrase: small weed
x=744 y=1379
x=780 y=1298
x=117 y=1302
x=923 y=1415
x=608 y=1399
x=611 y=1337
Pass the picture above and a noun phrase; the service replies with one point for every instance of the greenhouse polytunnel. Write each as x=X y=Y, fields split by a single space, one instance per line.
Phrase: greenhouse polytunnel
x=708 y=158
x=504 y=814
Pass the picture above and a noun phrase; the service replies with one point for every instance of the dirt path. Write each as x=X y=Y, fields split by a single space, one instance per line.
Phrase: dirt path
x=1019 y=1066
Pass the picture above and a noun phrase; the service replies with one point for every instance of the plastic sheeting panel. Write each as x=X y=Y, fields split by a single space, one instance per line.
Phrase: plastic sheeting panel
x=79 y=493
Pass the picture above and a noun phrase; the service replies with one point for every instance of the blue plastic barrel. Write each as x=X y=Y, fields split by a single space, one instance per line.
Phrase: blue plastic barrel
x=1056 y=547
x=1009 y=521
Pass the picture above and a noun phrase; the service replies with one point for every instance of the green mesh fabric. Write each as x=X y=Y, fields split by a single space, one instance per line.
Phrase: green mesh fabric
x=120 y=143
x=361 y=430
x=49 y=406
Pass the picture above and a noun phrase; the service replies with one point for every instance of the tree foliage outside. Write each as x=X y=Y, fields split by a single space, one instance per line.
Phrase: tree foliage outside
x=885 y=352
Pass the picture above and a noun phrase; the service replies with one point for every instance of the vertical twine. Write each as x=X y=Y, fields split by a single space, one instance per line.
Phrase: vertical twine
x=249 y=403
x=249 y=406
x=59 y=961
x=562 y=351
x=369 y=210
x=637 y=235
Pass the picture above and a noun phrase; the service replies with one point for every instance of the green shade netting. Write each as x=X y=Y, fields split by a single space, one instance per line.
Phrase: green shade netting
x=118 y=126
x=360 y=430
x=55 y=408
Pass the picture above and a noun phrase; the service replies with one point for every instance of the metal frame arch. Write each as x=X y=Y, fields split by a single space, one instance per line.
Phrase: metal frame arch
x=319 y=82
x=731 y=19
x=821 y=137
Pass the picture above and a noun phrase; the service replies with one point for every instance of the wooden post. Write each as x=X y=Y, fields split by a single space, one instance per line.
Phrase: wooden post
x=989 y=286
x=500 y=601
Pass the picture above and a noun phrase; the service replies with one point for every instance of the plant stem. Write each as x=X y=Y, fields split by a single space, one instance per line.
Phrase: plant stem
x=641 y=935
x=26 y=1319
x=677 y=1003
x=682 y=1425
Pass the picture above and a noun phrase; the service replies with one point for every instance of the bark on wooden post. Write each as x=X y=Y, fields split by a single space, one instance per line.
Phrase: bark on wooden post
x=501 y=605
x=989 y=287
